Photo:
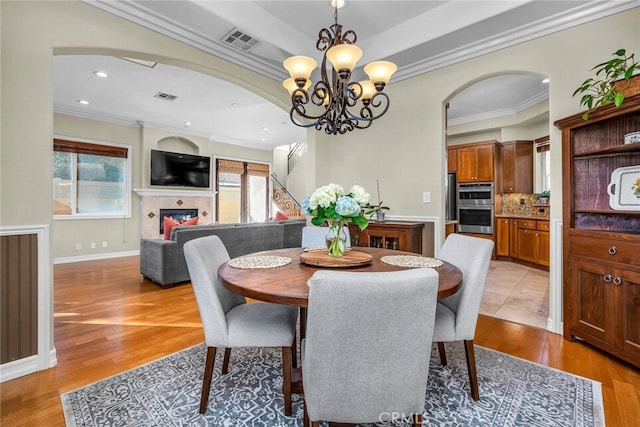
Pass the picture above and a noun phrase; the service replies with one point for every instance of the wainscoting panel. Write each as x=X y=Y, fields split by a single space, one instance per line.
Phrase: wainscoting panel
x=19 y=302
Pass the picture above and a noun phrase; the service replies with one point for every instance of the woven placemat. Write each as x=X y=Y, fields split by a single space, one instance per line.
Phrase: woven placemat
x=411 y=261
x=259 y=261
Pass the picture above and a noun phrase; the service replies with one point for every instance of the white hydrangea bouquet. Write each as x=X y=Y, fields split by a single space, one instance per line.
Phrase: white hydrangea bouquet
x=330 y=204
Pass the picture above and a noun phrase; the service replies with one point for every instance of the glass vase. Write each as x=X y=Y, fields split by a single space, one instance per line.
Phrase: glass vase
x=336 y=237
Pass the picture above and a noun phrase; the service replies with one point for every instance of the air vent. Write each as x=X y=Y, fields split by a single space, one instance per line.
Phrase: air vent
x=165 y=96
x=240 y=40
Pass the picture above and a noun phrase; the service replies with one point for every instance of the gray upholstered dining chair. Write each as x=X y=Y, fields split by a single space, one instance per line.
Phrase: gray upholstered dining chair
x=457 y=315
x=228 y=321
x=316 y=236
x=365 y=356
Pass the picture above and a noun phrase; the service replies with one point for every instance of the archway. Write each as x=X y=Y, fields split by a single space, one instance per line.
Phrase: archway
x=509 y=106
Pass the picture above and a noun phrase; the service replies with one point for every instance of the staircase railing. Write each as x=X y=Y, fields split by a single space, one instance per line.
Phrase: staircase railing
x=295 y=155
x=285 y=200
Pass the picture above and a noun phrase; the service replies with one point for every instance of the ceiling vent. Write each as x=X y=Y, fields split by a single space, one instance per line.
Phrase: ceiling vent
x=240 y=40
x=165 y=96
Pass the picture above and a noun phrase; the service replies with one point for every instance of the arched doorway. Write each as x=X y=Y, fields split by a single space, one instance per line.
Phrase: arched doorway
x=504 y=108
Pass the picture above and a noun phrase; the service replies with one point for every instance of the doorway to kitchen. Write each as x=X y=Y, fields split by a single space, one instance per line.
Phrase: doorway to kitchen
x=500 y=109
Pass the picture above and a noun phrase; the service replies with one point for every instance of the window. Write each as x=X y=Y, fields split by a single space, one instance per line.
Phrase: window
x=543 y=164
x=90 y=180
x=242 y=191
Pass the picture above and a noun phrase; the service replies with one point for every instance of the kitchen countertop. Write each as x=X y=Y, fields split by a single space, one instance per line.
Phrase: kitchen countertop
x=541 y=218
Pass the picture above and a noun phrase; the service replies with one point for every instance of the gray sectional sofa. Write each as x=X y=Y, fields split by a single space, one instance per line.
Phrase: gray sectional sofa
x=162 y=261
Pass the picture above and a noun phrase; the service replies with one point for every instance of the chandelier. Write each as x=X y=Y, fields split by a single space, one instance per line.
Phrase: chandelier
x=338 y=105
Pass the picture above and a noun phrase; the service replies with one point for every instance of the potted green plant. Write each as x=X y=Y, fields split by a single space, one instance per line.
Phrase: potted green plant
x=376 y=209
x=543 y=197
x=612 y=77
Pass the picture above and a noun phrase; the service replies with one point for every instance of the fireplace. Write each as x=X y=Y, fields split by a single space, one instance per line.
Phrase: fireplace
x=179 y=215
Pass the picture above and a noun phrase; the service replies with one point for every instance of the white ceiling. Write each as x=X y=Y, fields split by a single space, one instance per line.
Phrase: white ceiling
x=418 y=36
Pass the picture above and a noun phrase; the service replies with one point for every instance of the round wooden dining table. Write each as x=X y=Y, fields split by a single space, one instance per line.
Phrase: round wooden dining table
x=288 y=284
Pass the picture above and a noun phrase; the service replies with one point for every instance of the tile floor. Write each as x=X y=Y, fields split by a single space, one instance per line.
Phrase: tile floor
x=517 y=293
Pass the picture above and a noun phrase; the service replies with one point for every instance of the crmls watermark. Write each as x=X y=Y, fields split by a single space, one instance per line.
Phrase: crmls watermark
x=395 y=417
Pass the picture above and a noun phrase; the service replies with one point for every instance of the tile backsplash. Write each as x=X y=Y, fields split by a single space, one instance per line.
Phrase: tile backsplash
x=512 y=205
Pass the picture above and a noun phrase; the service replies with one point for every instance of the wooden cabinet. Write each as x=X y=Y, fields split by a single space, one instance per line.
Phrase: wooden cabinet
x=402 y=236
x=452 y=160
x=503 y=236
x=450 y=227
x=476 y=162
x=601 y=229
x=516 y=167
x=523 y=239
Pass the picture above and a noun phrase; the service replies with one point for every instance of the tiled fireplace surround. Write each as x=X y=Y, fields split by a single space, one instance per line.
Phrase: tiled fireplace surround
x=153 y=200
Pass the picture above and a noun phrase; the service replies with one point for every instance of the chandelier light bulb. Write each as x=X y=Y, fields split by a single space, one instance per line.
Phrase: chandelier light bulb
x=344 y=57
x=337 y=4
x=368 y=90
x=291 y=85
x=380 y=72
x=300 y=67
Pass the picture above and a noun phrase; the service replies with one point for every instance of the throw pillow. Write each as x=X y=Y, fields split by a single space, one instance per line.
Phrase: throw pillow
x=169 y=223
x=281 y=216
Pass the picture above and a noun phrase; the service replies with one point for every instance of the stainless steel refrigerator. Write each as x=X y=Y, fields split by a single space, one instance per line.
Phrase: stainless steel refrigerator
x=451 y=210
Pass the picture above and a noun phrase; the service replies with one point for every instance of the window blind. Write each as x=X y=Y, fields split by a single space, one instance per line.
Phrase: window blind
x=89 y=148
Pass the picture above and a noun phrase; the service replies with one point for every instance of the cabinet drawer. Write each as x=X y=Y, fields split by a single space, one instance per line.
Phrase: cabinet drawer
x=605 y=249
x=527 y=223
x=543 y=226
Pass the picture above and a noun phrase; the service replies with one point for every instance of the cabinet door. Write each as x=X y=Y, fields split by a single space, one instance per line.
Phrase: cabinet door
x=452 y=160
x=543 y=246
x=484 y=163
x=508 y=168
x=502 y=236
x=528 y=248
x=627 y=294
x=467 y=164
x=513 y=238
x=592 y=306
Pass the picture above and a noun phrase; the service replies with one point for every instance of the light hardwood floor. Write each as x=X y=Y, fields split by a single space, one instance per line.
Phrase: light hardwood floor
x=108 y=319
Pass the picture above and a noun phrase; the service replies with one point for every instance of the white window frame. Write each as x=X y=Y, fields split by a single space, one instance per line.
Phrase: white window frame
x=127 y=195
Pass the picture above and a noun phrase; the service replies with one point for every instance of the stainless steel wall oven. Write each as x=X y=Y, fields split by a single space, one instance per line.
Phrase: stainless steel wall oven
x=475 y=207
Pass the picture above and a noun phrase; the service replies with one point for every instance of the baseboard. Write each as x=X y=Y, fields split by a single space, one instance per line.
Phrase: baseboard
x=21 y=367
x=109 y=255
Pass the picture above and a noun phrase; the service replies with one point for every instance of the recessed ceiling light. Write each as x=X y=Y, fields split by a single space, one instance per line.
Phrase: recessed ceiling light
x=545 y=81
x=234 y=104
x=83 y=101
x=263 y=140
x=101 y=74
x=265 y=128
x=187 y=124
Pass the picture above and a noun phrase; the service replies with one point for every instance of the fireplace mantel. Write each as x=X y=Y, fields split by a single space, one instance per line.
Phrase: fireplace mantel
x=152 y=192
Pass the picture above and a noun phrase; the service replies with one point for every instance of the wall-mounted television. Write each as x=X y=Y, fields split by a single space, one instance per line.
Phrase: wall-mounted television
x=178 y=169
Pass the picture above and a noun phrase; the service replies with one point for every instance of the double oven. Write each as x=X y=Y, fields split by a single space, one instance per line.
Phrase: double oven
x=475 y=207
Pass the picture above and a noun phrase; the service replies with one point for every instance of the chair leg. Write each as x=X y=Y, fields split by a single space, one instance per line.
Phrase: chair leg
x=225 y=360
x=286 y=379
x=417 y=420
x=294 y=351
x=443 y=354
x=206 y=382
x=471 y=366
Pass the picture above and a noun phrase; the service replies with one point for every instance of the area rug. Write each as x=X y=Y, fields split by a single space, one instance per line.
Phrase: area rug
x=166 y=392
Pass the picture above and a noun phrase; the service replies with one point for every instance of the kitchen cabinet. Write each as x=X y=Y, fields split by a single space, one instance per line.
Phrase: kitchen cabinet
x=476 y=162
x=516 y=167
x=402 y=236
x=601 y=219
x=452 y=160
x=502 y=236
x=523 y=239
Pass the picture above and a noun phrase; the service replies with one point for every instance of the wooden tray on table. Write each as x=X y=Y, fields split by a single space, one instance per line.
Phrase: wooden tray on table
x=321 y=258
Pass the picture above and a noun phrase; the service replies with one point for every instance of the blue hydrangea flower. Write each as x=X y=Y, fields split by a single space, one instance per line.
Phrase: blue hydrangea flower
x=347 y=206
x=304 y=207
